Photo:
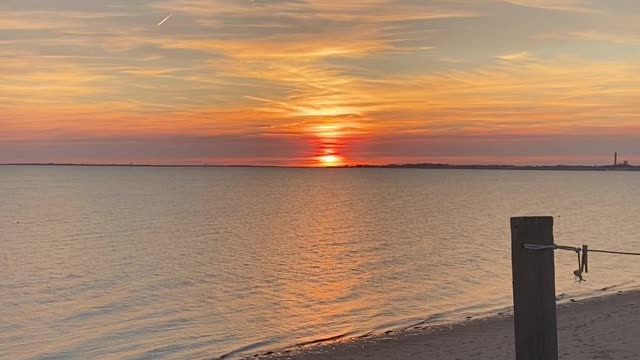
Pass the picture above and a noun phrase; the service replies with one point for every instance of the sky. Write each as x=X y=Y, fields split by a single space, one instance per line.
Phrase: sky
x=319 y=82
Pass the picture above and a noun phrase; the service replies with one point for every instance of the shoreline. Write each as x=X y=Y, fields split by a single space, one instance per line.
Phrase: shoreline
x=592 y=327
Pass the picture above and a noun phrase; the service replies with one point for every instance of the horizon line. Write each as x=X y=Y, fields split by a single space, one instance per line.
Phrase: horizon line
x=390 y=165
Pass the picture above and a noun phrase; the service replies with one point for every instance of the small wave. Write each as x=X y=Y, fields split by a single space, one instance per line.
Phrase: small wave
x=252 y=348
x=323 y=340
x=247 y=348
x=622 y=285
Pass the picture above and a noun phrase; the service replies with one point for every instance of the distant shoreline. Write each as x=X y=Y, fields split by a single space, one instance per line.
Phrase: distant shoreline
x=507 y=167
x=433 y=166
x=149 y=165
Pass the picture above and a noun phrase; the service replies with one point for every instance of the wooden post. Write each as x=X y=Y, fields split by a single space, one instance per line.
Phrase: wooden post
x=534 y=289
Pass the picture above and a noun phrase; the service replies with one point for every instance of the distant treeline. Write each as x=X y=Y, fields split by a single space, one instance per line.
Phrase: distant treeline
x=505 y=167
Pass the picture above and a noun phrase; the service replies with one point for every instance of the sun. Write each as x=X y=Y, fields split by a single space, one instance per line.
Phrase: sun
x=329 y=140
x=330 y=160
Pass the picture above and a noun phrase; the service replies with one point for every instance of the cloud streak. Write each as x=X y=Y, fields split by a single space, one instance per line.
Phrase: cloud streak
x=164 y=20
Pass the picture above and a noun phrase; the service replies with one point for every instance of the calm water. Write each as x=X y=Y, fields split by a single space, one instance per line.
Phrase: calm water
x=196 y=263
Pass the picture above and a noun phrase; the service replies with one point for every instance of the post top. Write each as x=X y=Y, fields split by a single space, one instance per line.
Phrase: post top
x=531 y=220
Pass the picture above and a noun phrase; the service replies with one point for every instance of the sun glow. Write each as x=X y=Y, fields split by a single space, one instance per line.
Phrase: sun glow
x=330 y=160
x=329 y=140
x=328 y=131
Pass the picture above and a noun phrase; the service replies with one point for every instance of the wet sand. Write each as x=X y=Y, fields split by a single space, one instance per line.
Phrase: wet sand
x=606 y=327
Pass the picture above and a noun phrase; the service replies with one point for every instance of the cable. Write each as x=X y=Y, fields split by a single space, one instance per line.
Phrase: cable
x=576 y=249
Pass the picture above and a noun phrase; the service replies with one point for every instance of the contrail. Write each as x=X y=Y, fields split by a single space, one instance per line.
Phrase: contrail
x=165 y=19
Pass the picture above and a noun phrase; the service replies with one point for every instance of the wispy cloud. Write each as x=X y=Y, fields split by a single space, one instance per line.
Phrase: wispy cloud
x=625 y=39
x=581 y=6
x=523 y=55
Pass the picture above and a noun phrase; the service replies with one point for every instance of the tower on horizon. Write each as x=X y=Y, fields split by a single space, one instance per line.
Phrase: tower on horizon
x=615 y=158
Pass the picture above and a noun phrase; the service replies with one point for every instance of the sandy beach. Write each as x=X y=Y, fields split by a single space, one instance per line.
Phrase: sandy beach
x=606 y=327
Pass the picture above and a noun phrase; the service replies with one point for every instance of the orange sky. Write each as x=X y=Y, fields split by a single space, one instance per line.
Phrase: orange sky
x=319 y=83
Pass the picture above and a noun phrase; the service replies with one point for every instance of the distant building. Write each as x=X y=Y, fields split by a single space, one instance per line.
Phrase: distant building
x=625 y=163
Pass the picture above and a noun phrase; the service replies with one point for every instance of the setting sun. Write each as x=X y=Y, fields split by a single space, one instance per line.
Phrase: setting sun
x=330 y=160
x=329 y=140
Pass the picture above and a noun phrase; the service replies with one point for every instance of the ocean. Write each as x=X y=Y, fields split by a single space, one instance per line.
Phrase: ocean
x=206 y=263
